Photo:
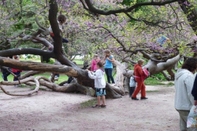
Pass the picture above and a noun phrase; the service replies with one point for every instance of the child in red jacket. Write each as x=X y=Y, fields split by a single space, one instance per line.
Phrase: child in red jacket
x=17 y=72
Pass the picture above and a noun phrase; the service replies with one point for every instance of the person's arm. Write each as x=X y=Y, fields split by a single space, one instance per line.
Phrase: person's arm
x=111 y=59
x=92 y=65
x=94 y=75
x=189 y=80
x=194 y=91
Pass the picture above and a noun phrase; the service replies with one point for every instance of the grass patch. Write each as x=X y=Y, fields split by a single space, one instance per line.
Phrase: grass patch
x=88 y=103
x=153 y=81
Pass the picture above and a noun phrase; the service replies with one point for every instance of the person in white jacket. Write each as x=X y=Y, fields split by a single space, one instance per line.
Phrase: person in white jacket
x=184 y=79
x=99 y=84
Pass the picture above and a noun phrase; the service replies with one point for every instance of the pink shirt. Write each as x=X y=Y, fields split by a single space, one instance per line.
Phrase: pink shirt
x=93 y=66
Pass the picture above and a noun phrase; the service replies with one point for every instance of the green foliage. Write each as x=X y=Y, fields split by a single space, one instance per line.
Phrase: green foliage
x=131 y=2
x=155 y=79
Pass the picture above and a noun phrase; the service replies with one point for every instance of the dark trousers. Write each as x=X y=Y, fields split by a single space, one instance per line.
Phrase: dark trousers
x=5 y=74
x=108 y=72
x=131 y=90
x=18 y=74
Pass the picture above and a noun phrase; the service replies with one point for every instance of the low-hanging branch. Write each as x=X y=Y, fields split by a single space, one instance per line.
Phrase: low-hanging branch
x=36 y=66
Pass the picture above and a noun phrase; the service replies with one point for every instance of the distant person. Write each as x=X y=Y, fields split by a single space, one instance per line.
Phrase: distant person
x=139 y=78
x=61 y=20
x=184 y=79
x=5 y=72
x=162 y=40
x=132 y=85
x=99 y=84
x=95 y=60
x=15 y=71
x=109 y=60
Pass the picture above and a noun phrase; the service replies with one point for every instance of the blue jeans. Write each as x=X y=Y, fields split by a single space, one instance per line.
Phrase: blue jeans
x=108 y=72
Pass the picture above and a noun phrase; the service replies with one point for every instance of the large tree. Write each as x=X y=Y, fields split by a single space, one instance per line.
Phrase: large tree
x=160 y=58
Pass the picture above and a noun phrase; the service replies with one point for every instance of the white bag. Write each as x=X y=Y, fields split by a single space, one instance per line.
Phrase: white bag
x=192 y=117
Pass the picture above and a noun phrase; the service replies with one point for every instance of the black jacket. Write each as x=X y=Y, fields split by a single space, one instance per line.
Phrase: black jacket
x=194 y=90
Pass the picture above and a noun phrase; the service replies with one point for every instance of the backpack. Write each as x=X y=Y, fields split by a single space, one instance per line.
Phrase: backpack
x=146 y=73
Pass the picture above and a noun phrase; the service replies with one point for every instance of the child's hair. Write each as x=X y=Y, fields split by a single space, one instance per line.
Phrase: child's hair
x=100 y=64
x=16 y=56
x=61 y=19
x=95 y=55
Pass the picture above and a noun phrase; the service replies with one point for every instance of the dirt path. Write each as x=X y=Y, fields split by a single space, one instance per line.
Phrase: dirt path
x=51 y=111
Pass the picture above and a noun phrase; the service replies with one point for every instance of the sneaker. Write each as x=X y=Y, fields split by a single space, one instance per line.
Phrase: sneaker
x=133 y=98
x=144 y=98
x=96 y=106
x=103 y=106
x=113 y=84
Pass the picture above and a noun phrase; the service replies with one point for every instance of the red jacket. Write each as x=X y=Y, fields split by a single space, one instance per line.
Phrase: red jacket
x=138 y=72
x=15 y=70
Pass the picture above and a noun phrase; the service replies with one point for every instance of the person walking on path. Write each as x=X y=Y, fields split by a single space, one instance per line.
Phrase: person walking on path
x=139 y=77
x=61 y=20
x=184 y=79
x=132 y=85
x=109 y=59
x=99 y=84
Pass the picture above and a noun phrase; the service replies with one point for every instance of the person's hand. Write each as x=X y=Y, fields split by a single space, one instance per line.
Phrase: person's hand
x=195 y=102
x=108 y=58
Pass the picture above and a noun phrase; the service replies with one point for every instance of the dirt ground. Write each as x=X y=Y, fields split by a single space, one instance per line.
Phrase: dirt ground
x=52 y=111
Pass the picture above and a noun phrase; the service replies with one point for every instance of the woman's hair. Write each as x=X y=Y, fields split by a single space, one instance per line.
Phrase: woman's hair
x=190 y=64
x=107 y=51
x=140 y=61
x=100 y=64
x=61 y=19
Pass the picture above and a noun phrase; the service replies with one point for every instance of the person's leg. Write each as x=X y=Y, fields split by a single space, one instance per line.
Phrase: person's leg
x=137 y=90
x=143 y=91
x=131 y=91
x=18 y=74
x=103 y=97
x=98 y=94
x=4 y=76
x=107 y=74
x=183 y=119
x=103 y=100
x=110 y=75
x=99 y=100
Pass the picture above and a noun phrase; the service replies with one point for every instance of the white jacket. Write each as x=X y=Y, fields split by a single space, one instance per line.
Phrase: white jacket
x=99 y=79
x=184 y=80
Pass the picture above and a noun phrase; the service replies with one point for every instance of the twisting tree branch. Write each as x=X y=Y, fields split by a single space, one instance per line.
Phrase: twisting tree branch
x=127 y=9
